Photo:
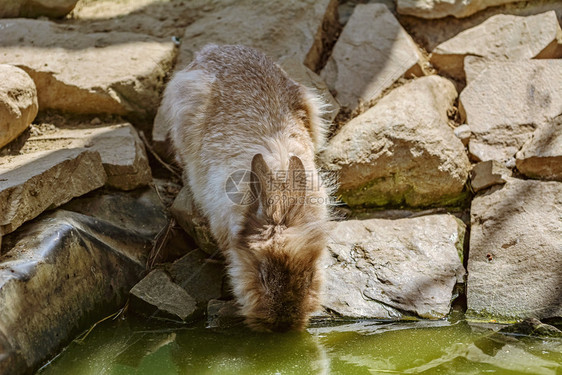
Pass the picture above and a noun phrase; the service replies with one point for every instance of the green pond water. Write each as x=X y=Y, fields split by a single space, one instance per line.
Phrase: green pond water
x=135 y=346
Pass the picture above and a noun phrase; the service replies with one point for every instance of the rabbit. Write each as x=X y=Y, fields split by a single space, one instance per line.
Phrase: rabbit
x=233 y=109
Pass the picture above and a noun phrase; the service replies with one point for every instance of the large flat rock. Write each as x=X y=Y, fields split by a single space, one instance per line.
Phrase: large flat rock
x=372 y=52
x=391 y=268
x=507 y=102
x=121 y=149
x=431 y=33
x=18 y=102
x=33 y=183
x=515 y=257
x=442 y=8
x=541 y=156
x=402 y=150
x=65 y=271
x=296 y=28
x=112 y=72
x=501 y=37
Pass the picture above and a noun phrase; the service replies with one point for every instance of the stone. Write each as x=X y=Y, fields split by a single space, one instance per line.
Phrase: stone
x=200 y=276
x=140 y=211
x=59 y=275
x=296 y=28
x=223 y=314
x=394 y=268
x=501 y=37
x=36 y=8
x=430 y=33
x=442 y=8
x=402 y=150
x=33 y=183
x=372 y=52
x=193 y=222
x=303 y=75
x=488 y=173
x=473 y=66
x=156 y=294
x=515 y=256
x=532 y=327
x=121 y=149
x=463 y=133
x=112 y=72
x=507 y=102
x=541 y=156
x=18 y=102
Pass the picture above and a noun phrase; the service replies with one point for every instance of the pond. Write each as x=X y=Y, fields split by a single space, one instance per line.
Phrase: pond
x=135 y=346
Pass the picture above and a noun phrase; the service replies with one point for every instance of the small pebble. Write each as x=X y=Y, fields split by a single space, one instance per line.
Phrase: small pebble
x=95 y=121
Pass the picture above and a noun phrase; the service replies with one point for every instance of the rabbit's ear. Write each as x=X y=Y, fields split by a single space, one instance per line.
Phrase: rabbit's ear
x=258 y=179
x=296 y=176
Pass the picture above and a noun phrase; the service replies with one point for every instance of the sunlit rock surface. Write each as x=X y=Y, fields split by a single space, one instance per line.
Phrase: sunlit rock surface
x=117 y=73
x=18 y=102
x=501 y=37
x=515 y=255
x=122 y=152
x=372 y=52
x=394 y=268
x=401 y=151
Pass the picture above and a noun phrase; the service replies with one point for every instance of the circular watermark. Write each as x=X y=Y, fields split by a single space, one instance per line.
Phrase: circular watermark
x=238 y=187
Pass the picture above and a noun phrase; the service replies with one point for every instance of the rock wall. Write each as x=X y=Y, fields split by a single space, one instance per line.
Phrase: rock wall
x=445 y=142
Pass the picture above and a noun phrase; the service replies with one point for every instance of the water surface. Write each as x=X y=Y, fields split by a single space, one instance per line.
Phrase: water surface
x=135 y=346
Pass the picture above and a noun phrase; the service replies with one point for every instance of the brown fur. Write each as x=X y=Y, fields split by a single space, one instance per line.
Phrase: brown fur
x=232 y=108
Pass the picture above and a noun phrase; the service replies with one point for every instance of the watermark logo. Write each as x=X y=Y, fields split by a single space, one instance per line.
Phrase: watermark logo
x=238 y=187
x=289 y=187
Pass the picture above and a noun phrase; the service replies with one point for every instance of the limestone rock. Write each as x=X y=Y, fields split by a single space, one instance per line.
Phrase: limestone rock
x=507 y=102
x=201 y=277
x=300 y=73
x=401 y=150
x=501 y=37
x=372 y=52
x=18 y=102
x=59 y=275
x=193 y=222
x=157 y=294
x=431 y=33
x=379 y=268
x=279 y=28
x=33 y=183
x=488 y=173
x=463 y=133
x=119 y=73
x=473 y=66
x=36 y=8
x=442 y=8
x=541 y=156
x=515 y=257
x=122 y=151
